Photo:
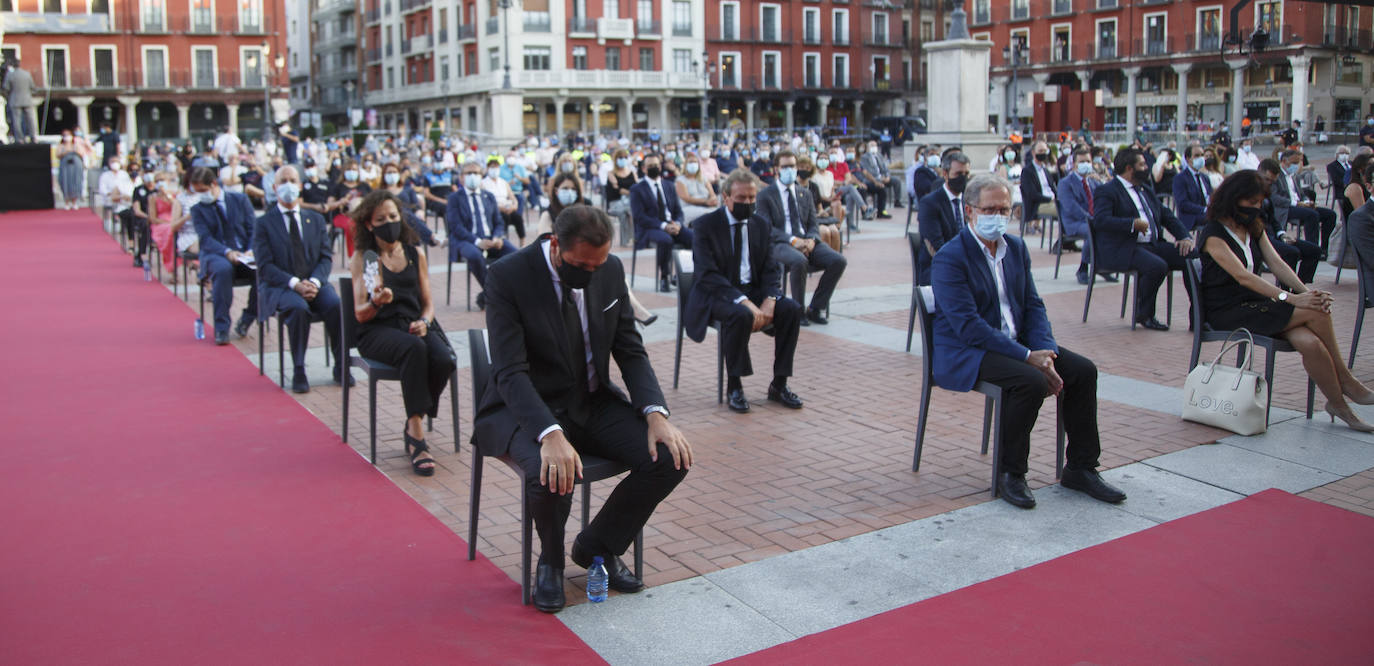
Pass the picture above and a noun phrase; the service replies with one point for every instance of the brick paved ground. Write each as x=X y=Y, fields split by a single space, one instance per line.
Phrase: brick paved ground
x=774 y=480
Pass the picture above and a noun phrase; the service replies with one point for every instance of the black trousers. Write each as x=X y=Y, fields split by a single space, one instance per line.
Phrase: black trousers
x=298 y=312
x=425 y=363
x=1316 y=223
x=616 y=432
x=1301 y=256
x=829 y=262
x=135 y=229
x=516 y=221
x=1024 y=389
x=736 y=324
x=1154 y=263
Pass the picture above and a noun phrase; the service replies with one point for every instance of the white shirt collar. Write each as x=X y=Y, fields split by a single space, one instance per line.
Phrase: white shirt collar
x=1128 y=184
x=284 y=210
x=952 y=196
x=730 y=217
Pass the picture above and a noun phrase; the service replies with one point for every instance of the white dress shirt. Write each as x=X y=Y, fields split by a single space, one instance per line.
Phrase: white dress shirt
x=1135 y=193
x=786 y=214
x=1045 y=187
x=746 y=276
x=956 y=202
x=286 y=222
x=995 y=264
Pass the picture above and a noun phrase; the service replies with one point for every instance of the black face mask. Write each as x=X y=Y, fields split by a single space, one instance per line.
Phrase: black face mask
x=572 y=276
x=804 y=173
x=956 y=184
x=742 y=211
x=389 y=232
x=653 y=172
x=1043 y=157
x=1246 y=215
x=1141 y=176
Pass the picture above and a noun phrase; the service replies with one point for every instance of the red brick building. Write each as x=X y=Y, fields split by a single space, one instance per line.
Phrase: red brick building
x=1136 y=52
x=155 y=69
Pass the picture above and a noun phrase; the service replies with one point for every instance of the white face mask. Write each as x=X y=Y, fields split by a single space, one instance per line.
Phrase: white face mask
x=567 y=196
x=392 y=178
x=990 y=227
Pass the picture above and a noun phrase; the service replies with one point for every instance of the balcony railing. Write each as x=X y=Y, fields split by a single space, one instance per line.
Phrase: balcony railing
x=840 y=39
x=152 y=21
x=44 y=23
x=1154 y=47
x=882 y=83
x=754 y=34
x=405 y=46
x=412 y=5
x=1020 y=10
x=1203 y=42
x=1061 y=7
x=982 y=15
x=493 y=25
x=374 y=55
x=373 y=16
x=649 y=27
x=1105 y=52
x=1108 y=4
x=467 y=31
x=443 y=35
x=884 y=40
x=537 y=22
x=682 y=29
x=581 y=25
x=1343 y=37
x=1155 y=2
x=811 y=37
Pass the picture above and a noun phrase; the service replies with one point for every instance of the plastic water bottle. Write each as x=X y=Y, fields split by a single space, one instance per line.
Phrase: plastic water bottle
x=596 y=581
x=148 y=271
x=200 y=329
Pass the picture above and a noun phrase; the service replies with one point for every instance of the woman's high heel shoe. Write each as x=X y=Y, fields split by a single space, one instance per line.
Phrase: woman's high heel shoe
x=1351 y=420
x=1366 y=398
x=645 y=322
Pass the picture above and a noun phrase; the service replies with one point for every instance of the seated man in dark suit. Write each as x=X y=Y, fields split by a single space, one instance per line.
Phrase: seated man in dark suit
x=1075 y=194
x=1300 y=255
x=791 y=213
x=1338 y=171
x=1293 y=206
x=1192 y=190
x=1129 y=224
x=558 y=310
x=1038 y=180
x=941 y=213
x=658 y=218
x=476 y=231
x=925 y=179
x=292 y=250
x=990 y=325
x=737 y=285
x=224 y=221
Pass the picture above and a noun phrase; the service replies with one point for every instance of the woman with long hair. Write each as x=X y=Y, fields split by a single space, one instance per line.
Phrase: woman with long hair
x=1234 y=245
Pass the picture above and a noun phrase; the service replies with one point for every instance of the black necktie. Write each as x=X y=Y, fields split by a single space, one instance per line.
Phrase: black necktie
x=737 y=257
x=1204 y=184
x=662 y=204
x=792 y=213
x=958 y=214
x=479 y=225
x=578 y=402
x=299 y=265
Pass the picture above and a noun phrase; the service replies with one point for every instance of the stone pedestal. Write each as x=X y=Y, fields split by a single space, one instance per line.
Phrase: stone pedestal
x=507 y=117
x=958 y=94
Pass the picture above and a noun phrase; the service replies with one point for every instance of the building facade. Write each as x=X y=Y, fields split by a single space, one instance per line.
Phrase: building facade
x=154 y=69
x=298 y=60
x=1165 y=65
x=335 y=58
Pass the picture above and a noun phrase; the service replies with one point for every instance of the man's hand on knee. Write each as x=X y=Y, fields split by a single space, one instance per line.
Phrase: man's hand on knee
x=560 y=466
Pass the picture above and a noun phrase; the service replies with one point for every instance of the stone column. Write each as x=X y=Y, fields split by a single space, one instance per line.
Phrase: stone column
x=595 y=103
x=999 y=86
x=749 y=116
x=183 y=120
x=1085 y=79
x=130 y=103
x=823 y=101
x=1181 y=108
x=539 y=113
x=787 y=116
x=663 y=115
x=480 y=125
x=83 y=112
x=234 y=119
x=558 y=103
x=1132 y=82
x=1300 y=63
x=627 y=119
x=1041 y=80
x=1237 y=91
x=858 y=113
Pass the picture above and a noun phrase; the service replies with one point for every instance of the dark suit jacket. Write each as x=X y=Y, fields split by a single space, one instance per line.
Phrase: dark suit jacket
x=937 y=224
x=1031 y=191
x=1338 y=176
x=644 y=207
x=1282 y=198
x=770 y=209
x=532 y=374
x=925 y=181
x=1190 y=199
x=272 y=252
x=460 y=220
x=968 y=318
x=212 y=229
x=712 y=252
x=1073 y=203
x=1114 y=214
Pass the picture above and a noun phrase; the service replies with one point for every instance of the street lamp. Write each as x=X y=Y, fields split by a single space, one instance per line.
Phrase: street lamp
x=1016 y=54
x=505 y=6
x=707 y=68
x=266 y=90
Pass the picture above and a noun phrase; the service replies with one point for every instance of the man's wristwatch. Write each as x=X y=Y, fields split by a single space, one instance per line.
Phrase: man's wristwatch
x=656 y=408
x=1283 y=296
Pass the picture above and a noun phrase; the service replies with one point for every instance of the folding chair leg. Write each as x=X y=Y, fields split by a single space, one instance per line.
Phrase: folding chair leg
x=720 y=370
x=372 y=415
x=922 y=413
x=996 y=446
x=1059 y=436
x=1355 y=341
x=1269 y=379
x=526 y=528
x=448 y=295
x=988 y=403
x=1088 y=298
x=453 y=398
x=639 y=555
x=586 y=504
x=474 y=502
x=911 y=320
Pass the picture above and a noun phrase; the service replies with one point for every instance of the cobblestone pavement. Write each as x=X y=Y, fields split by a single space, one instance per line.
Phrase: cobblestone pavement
x=775 y=481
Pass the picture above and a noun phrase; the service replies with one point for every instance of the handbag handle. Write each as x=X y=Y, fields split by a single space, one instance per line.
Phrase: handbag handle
x=1226 y=346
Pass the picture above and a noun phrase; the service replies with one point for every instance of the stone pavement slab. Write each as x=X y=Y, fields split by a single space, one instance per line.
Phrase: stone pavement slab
x=1242 y=470
x=1161 y=496
x=1317 y=443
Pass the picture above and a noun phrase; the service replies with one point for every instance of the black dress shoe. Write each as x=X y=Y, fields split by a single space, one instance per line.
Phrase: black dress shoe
x=1013 y=489
x=1108 y=277
x=548 y=589
x=618 y=576
x=815 y=315
x=1090 y=482
x=221 y=337
x=663 y=285
x=338 y=374
x=241 y=328
x=804 y=322
x=1152 y=324
x=138 y=261
x=784 y=396
x=736 y=402
x=299 y=384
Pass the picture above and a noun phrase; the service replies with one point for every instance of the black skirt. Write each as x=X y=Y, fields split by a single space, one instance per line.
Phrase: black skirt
x=1262 y=317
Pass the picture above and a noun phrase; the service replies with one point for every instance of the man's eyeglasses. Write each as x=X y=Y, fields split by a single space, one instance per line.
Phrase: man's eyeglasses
x=991 y=211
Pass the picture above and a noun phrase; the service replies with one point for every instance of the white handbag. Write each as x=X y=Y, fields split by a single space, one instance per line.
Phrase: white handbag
x=1234 y=398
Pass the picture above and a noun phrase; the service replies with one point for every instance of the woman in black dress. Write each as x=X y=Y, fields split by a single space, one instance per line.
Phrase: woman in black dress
x=1235 y=296
x=396 y=318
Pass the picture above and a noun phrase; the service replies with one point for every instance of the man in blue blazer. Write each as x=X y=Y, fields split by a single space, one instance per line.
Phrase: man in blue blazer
x=292 y=249
x=990 y=325
x=658 y=217
x=1075 y=193
x=476 y=231
x=941 y=213
x=1129 y=224
x=1192 y=190
x=224 y=222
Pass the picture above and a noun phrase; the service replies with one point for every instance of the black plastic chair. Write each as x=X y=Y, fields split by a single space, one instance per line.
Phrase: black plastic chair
x=593 y=469
x=1204 y=333
x=281 y=338
x=448 y=296
x=913 y=239
x=1126 y=276
x=992 y=413
x=376 y=371
x=1064 y=237
x=1360 y=305
x=684 y=283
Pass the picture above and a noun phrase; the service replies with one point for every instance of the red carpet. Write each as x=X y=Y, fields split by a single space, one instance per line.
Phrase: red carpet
x=1271 y=579
x=162 y=503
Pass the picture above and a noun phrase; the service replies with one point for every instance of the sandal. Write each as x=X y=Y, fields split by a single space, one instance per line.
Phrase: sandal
x=415 y=460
